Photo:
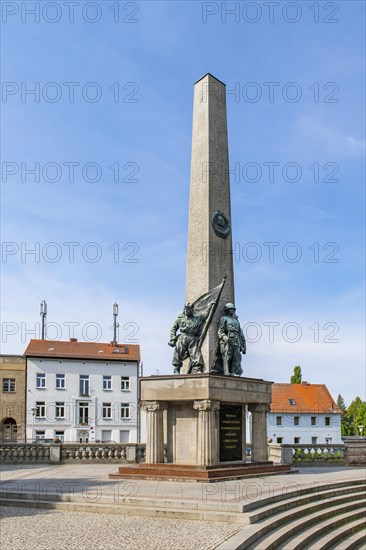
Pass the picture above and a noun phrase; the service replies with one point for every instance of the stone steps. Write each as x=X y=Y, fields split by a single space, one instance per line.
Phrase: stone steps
x=295 y=494
x=32 y=498
x=312 y=514
x=294 y=501
x=275 y=531
x=303 y=532
x=355 y=542
x=144 y=511
x=182 y=472
x=328 y=541
x=261 y=508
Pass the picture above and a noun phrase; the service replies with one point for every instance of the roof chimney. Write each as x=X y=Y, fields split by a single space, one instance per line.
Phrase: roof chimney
x=73 y=339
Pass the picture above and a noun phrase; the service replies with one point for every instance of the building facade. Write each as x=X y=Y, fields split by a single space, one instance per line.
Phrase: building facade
x=85 y=392
x=12 y=404
x=303 y=414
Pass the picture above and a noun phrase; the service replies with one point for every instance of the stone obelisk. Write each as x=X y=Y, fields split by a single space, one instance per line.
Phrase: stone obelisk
x=209 y=254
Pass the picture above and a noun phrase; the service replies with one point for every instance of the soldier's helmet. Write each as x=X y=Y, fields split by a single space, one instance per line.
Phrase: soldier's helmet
x=188 y=306
x=229 y=306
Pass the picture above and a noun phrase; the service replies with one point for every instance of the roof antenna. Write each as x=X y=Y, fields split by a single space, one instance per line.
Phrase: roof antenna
x=115 y=324
x=43 y=314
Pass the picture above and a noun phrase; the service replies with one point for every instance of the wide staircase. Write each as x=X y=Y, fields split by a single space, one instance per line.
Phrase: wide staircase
x=326 y=517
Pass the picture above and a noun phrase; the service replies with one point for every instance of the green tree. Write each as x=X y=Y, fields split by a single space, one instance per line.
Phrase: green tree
x=346 y=423
x=357 y=415
x=297 y=376
x=341 y=403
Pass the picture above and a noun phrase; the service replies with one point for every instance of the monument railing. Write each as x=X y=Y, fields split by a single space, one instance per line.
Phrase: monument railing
x=308 y=455
x=103 y=452
x=22 y=453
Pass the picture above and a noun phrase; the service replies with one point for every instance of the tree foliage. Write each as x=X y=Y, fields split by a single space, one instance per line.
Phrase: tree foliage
x=296 y=378
x=353 y=416
x=341 y=403
x=357 y=414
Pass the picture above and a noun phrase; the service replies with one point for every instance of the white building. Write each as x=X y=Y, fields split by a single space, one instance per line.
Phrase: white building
x=82 y=391
x=304 y=414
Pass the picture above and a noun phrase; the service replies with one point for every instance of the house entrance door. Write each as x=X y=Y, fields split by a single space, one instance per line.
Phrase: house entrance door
x=9 y=430
x=83 y=436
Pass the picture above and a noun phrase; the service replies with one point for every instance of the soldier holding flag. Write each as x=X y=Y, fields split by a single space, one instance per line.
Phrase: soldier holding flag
x=192 y=325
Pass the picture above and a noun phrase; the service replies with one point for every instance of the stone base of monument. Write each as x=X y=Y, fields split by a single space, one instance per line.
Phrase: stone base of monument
x=201 y=420
x=185 y=472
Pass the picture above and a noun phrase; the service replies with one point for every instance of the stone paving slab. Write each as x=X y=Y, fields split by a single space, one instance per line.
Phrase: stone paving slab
x=25 y=528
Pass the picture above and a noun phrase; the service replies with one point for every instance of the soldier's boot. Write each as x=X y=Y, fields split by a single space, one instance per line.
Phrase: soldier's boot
x=176 y=370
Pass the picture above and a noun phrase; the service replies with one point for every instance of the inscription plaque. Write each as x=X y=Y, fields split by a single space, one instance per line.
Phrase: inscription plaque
x=231 y=433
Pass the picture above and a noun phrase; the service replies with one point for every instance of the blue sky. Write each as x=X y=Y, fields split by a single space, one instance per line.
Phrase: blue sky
x=153 y=63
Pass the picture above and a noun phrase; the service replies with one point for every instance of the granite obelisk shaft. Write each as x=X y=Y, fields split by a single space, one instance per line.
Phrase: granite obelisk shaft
x=209 y=255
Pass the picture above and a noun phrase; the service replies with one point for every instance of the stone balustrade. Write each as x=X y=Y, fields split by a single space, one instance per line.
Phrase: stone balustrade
x=72 y=452
x=307 y=455
x=24 y=452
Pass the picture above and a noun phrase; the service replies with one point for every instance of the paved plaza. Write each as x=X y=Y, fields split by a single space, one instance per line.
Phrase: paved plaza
x=34 y=528
x=31 y=529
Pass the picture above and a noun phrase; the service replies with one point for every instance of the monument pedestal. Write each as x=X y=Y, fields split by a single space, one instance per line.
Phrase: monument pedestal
x=201 y=418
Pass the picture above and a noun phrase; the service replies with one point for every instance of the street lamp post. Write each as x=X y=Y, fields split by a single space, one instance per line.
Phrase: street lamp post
x=43 y=314
x=33 y=411
x=115 y=324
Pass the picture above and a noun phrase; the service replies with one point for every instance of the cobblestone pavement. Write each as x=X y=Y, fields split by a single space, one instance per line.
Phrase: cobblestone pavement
x=36 y=529
x=30 y=529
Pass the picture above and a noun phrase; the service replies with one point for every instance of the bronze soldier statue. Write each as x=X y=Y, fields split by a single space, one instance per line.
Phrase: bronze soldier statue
x=231 y=342
x=187 y=342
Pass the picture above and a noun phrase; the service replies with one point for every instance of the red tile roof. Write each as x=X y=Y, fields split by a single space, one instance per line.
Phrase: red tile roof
x=307 y=398
x=73 y=349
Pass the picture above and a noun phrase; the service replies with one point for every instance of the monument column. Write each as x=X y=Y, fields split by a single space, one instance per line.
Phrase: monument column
x=259 y=432
x=209 y=253
x=154 y=430
x=207 y=427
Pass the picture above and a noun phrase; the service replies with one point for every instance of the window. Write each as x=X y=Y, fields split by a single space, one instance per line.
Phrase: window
x=296 y=421
x=107 y=383
x=107 y=411
x=60 y=381
x=60 y=435
x=313 y=420
x=83 y=413
x=106 y=436
x=84 y=384
x=40 y=409
x=8 y=384
x=125 y=383
x=279 y=440
x=124 y=436
x=297 y=440
x=40 y=380
x=40 y=434
x=327 y=420
x=292 y=401
x=60 y=410
x=278 y=420
x=314 y=440
x=125 y=410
